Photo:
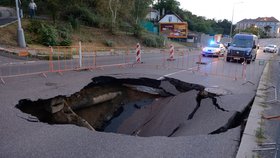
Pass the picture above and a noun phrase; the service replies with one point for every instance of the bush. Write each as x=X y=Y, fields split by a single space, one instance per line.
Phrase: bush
x=109 y=43
x=64 y=35
x=6 y=3
x=28 y=39
x=103 y=22
x=126 y=27
x=74 y=22
x=137 y=30
x=48 y=35
x=160 y=41
x=65 y=42
x=153 y=41
x=149 y=41
x=83 y=14
x=34 y=26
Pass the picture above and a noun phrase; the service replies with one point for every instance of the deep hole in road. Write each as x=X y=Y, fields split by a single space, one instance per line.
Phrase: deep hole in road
x=142 y=107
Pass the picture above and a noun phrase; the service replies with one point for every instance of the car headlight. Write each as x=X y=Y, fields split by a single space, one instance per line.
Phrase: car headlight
x=248 y=53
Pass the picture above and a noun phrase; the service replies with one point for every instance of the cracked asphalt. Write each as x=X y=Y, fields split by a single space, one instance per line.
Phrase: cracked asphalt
x=20 y=138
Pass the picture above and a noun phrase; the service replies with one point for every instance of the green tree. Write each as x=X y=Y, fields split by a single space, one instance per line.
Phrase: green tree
x=225 y=25
x=252 y=29
x=139 y=12
x=167 y=6
x=267 y=30
x=7 y=2
x=114 y=6
x=54 y=9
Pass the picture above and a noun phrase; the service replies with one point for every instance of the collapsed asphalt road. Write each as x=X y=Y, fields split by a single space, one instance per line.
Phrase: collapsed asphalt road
x=163 y=123
x=139 y=107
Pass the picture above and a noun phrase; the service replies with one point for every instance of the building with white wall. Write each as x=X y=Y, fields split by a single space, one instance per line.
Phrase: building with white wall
x=270 y=25
x=153 y=15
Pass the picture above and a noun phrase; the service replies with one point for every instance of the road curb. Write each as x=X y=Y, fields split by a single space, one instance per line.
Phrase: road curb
x=249 y=141
x=2 y=26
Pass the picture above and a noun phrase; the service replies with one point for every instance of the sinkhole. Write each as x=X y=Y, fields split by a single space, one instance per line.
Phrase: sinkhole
x=141 y=107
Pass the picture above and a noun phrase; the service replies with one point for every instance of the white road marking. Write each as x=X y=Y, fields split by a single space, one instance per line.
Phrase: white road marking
x=162 y=77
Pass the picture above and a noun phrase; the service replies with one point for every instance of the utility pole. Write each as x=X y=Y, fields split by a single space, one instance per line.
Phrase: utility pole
x=20 y=32
x=231 y=26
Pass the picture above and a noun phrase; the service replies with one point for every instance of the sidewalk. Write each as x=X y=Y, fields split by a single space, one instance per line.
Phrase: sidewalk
x=258 y=135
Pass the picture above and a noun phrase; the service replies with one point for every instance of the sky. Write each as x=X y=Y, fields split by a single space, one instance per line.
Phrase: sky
x=240 y=9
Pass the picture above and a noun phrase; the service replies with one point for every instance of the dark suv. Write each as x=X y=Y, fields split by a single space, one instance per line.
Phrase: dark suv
x=243 y=47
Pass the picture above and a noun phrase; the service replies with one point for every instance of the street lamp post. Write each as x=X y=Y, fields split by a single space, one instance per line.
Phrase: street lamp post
x=20 y=32
x=257 y=31
x=231 y=26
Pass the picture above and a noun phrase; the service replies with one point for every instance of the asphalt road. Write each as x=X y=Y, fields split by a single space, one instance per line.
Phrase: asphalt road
x=187 y=61
x=21 y=138
x=4 y=21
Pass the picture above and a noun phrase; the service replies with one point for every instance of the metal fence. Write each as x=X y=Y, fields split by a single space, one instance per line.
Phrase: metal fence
x=61 y=59
x=216 y=66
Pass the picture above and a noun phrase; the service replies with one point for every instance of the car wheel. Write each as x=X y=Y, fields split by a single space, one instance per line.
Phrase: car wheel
x=228 y=59
x=248 y=61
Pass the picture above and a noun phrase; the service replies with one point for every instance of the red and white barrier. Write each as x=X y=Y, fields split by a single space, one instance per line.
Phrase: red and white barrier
x=138 y=53
x=171 y=53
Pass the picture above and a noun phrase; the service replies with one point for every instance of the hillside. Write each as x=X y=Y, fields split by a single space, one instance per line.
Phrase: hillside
x=87 y=35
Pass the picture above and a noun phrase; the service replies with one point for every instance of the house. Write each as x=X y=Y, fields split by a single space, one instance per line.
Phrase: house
x=173 y=27
x=270 y=25
x=151 y=21
x=171 y=18
x=153 y=15
x=245 y=23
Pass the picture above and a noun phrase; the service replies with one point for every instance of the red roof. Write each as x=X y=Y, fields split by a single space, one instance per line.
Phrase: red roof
x=260 y=19
x=264 y=19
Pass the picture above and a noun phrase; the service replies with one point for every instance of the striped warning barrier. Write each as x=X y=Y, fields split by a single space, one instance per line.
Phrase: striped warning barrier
x=171 y=53
x=138 y=53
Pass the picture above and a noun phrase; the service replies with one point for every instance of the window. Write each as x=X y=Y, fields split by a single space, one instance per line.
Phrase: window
x=170 y=18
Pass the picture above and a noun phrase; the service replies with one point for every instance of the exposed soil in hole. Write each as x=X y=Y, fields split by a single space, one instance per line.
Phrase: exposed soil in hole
x=142 y=107
x=100 y=115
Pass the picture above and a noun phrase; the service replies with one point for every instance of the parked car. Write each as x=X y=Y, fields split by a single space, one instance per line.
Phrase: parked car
x=270 y=48
x=214 y=49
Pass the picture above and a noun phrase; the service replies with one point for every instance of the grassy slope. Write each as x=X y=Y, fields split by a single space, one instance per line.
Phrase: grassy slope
x=8 y=35
x=88 y=35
